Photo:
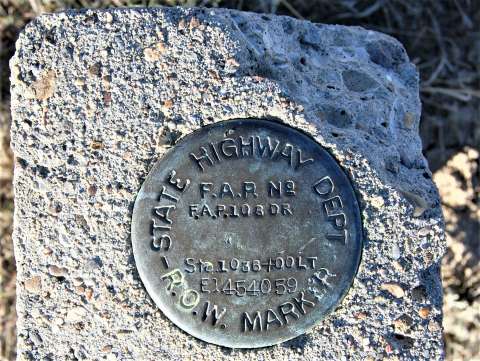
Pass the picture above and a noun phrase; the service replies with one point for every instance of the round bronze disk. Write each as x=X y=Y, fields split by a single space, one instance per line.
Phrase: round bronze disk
x=246 y=233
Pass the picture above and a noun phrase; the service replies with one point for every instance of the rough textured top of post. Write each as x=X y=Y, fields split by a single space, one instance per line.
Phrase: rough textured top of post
x=98 y=96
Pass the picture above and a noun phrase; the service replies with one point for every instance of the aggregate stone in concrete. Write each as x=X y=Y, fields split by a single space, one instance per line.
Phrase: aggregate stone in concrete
x=99 y=96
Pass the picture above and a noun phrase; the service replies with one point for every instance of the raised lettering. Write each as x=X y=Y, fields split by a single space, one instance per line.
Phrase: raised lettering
x=288 y=309
x=163 y=194
x=287 y=153
x=189 y=299
x=249 y=188
x=176 y=182
x=158 y=226
x=228 y=148
x=205 y=188
x=301 y=301
x=163 y=212
x=342 y=236
x=271 y=317
x=175 y=278
x=324 y=186
x=246 y=148
x=290 y=188
x=286 y=210
x=163 y=242
x=190 y=264
x=192 y=208
x=333 y=205
x=211 y=313
x=206 y=211
x=214 y=151
x=251 y=325
x=203 y=157
x=226 y=190
x=165 y=262
x=266 y=150
x=274 y=190
x=302 y=162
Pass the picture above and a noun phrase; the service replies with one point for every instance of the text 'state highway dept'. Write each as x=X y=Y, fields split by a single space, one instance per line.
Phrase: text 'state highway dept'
x=246 y=233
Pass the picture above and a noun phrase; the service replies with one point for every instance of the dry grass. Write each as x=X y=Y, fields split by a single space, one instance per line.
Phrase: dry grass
x=442 y=38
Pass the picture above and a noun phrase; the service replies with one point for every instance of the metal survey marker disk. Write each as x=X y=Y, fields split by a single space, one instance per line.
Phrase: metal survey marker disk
x=246 y=233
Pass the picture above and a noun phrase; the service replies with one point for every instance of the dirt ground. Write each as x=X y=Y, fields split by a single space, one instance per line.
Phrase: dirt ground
x=442 y=38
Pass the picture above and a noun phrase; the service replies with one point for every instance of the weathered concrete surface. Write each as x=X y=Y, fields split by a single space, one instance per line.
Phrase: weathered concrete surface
x=99 y=96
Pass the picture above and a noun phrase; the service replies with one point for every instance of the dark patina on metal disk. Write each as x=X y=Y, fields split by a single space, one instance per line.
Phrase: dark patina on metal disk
x=246 y=233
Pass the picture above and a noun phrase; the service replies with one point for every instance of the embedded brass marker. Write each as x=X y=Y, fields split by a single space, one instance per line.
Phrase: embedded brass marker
x=246 y=233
